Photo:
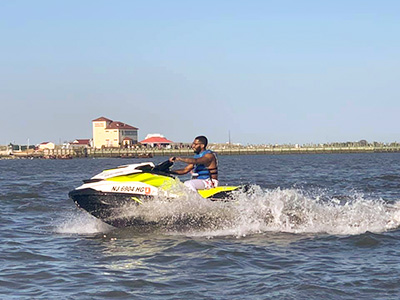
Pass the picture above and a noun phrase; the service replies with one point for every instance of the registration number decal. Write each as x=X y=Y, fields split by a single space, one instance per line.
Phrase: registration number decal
x=132 y=189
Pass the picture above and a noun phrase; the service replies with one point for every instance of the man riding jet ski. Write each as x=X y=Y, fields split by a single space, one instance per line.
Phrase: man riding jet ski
x=125 y=185
x=204 y=166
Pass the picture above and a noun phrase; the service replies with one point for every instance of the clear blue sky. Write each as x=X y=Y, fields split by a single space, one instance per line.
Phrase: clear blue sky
x=284 y=71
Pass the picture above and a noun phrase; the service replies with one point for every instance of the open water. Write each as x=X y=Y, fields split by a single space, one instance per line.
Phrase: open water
x=311 y=227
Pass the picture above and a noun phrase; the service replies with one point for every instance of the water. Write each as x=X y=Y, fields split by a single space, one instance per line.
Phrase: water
x=312 y=227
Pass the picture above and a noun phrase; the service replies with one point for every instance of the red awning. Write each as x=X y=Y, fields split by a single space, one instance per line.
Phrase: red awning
x=156 y=140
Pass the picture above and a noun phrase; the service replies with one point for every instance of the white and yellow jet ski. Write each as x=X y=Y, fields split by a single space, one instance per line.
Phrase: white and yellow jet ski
x=133 y=184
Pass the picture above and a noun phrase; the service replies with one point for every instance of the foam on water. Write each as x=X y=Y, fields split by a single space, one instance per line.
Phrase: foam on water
x=255 y=211
x=278 y=210
x=80 y=223
x=294 y=211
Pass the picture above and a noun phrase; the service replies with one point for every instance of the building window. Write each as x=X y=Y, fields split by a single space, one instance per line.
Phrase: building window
x=130 y=132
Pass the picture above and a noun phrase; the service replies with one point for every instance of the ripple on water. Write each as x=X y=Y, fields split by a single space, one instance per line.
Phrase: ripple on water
x=315 y=227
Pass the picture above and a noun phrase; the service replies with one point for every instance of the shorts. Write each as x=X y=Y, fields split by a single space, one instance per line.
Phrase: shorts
x=201 y=184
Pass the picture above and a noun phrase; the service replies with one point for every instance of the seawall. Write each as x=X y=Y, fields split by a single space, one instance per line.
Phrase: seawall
x=143 y=153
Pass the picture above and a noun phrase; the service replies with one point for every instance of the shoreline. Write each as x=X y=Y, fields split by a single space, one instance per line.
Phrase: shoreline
x=149 y=153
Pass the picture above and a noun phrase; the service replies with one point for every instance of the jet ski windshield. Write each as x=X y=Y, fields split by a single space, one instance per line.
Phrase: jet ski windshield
x=145 y=168
x=163 y=167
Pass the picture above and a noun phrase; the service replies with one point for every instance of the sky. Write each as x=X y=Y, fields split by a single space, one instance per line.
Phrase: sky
x=257 y=71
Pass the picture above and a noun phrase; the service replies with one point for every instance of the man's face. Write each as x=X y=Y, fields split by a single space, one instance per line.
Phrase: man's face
x=197 y=146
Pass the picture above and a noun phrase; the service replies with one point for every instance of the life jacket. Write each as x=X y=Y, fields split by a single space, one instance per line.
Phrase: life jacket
x=201 y=171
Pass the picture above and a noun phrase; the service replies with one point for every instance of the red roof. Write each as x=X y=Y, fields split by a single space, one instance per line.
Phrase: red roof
x=81 y=142
x=127 y=139
x=120 y=125
x=102 y=119
x=156 y=140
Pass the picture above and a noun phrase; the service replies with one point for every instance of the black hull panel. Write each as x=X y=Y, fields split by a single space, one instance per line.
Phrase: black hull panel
x=104 y=205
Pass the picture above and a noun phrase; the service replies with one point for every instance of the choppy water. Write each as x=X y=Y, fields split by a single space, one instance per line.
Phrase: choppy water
x=312 y=227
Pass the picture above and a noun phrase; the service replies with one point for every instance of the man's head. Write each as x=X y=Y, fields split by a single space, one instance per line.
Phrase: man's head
x=199 y=144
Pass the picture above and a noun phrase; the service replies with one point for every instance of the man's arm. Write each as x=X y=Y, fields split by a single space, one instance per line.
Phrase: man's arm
x=205 y=160
x=183 y=171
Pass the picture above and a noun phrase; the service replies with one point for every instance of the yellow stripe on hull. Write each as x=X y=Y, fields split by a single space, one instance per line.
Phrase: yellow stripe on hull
x=210 y=192
x=152 y=179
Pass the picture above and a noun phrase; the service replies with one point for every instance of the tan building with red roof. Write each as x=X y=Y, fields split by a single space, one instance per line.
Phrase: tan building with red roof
x=86 y=143
x=109 y=133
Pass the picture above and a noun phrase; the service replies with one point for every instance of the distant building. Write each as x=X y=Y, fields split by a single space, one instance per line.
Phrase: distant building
x=156 y=140
x=81 y=143
x=109 y=133
x=46 y=145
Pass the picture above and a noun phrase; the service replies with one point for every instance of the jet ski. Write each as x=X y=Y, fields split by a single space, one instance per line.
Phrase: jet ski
x=134 y=184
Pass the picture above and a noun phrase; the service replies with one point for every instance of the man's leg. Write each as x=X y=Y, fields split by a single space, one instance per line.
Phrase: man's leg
x=195 y=184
